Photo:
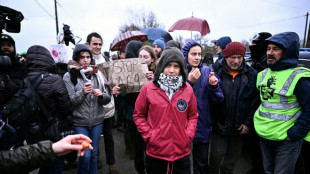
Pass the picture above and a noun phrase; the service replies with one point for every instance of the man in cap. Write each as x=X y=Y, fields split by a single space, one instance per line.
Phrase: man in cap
x=159 y=46
x=220 y=46
x=232 y=118
x=283 y=118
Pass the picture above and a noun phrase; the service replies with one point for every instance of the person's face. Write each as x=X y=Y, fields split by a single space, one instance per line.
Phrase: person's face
x=95 y=45
x=7 y=47
x=122 y=55
x=274 y=54
x=194 y=56
x=146 y=56
x=234 y=61
x=172 y=69
x=84 y=58
x=157 y=49
x=218 y=49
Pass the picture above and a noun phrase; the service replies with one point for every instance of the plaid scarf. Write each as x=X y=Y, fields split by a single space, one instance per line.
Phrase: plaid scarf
x=170 y=84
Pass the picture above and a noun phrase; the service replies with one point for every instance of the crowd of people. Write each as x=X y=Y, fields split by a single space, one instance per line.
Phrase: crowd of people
x=190 y=107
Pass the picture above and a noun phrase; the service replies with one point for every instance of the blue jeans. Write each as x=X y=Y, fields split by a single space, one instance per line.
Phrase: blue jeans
x=88 y=162
x=279 y=157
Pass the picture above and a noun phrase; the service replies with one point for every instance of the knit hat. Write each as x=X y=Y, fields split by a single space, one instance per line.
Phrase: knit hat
x=223 y=42
x=80 y=48
x=171 y=54
x=132 y=49
x=160 y=42
x=234 y=48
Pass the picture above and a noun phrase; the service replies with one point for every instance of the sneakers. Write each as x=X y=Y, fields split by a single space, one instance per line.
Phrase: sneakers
x=112 y=169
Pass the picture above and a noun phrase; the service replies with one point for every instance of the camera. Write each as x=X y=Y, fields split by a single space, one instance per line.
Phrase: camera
x=10 y=21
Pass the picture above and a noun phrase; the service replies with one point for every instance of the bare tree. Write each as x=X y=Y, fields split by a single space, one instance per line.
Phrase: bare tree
x=246 y=44
x=180 y=39
x=139 y=19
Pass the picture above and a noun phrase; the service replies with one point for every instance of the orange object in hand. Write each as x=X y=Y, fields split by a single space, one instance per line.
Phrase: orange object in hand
x=85 y=145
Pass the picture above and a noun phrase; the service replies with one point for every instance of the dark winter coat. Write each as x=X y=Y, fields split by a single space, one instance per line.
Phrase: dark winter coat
x=240 y=102
x=27 y=158
x=52 y=90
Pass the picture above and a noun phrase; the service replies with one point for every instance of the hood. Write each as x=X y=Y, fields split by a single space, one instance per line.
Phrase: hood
x=132 y=49
x=170 y=54
x=189 y=43
x=290 y=42
x=39 y=59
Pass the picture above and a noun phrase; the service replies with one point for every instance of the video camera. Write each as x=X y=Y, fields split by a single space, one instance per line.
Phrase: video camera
x=10 y=21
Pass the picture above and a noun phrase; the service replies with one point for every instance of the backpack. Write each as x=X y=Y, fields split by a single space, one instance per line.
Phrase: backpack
x=24 y=112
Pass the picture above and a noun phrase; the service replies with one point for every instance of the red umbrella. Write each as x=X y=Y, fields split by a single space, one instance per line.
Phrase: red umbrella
x=121 y=41
x=191 y=24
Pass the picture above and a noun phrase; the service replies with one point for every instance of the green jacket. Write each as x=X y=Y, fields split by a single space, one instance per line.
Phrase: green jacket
x=27 y=158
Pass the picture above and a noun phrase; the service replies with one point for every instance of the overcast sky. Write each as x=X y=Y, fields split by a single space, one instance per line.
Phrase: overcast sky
x=239 y=19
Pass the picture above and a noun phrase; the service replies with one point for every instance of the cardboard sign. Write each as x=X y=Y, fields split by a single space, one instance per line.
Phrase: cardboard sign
x=128 y=74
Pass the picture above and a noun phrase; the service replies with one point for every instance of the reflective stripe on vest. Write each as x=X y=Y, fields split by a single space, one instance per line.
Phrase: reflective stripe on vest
x=278 y=116
x=287 y=85
x=280 y=105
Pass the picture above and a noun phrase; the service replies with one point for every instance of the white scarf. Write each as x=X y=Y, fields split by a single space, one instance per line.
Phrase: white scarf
x=170 y=84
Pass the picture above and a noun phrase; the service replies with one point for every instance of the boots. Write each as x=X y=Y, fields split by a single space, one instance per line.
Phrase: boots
x=112 y=169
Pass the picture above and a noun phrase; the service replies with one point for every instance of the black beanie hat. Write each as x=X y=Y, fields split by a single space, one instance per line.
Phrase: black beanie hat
x=170 y=54
x=8 y=38
x=80 y=48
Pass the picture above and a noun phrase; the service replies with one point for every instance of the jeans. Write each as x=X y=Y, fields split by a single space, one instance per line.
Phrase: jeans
x=158 y=166
x=108 y=141
x=224 y=153
x=279 y=157
x=88 y=162
x=200 y=157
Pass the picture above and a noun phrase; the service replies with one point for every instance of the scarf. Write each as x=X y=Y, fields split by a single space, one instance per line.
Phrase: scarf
x=170 y=84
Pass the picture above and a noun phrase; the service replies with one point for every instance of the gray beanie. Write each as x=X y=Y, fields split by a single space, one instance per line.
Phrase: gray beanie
x=170 y=54
x=78 y=49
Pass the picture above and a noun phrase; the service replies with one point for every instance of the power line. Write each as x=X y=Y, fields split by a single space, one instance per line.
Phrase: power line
x=72 y=18
x=44 y=9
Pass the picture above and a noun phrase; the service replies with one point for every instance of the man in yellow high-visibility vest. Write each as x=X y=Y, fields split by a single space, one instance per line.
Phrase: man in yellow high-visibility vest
x=283 y=118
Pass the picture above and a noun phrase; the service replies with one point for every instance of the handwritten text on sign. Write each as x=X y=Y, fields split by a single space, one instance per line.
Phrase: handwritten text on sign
x=128 y=74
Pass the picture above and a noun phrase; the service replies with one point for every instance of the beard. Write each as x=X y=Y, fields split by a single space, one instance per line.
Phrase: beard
x=271 y=57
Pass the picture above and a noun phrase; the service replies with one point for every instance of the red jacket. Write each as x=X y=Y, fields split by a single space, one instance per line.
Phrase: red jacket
x=167 y=127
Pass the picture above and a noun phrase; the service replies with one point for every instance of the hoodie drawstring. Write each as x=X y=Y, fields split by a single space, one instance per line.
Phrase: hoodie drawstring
x=170 y=163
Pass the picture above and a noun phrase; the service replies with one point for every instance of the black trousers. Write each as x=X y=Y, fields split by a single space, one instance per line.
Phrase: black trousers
x=138 y=145
x=158 y=166
x=108 y=141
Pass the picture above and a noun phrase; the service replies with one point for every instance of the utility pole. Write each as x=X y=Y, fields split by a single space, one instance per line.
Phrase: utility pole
x=56 y=17
x=304 y=44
